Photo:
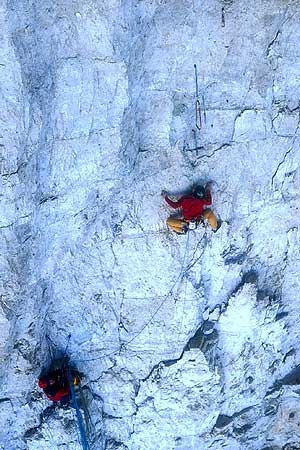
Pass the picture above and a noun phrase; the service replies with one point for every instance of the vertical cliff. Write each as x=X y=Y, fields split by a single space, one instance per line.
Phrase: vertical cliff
x=185 y=342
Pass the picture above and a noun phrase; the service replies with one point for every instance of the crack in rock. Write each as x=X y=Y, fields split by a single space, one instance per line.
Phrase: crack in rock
x=291 y=379
x=9 y=174
x=47 y=199
x=223 y=419
x=274 y=40
x=204 y=339
x=281 y=163
x=113 y=444
x=291 y=446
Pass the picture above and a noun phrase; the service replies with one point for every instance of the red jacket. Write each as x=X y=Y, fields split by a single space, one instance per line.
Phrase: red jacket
x=58 y=388
x=192 y=207
x=58 y=395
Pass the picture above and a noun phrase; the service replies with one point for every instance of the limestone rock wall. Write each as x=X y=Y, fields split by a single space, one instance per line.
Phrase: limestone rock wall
x=185 y=342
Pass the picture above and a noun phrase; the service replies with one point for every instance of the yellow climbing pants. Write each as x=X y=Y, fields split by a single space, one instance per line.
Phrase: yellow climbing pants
x=209 y=216
x=177 y=225
x=180 y=225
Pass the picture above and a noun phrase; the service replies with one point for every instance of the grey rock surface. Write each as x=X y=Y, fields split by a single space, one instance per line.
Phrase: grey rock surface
x=185 y=342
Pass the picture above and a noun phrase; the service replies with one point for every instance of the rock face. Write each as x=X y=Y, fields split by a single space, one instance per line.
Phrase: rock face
x=185 y=342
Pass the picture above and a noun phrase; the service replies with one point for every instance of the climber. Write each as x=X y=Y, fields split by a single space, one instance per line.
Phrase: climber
x=56 y=385
x=193 y=210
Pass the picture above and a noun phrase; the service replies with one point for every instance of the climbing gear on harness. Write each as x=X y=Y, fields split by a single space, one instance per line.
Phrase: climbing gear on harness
x=193 y=225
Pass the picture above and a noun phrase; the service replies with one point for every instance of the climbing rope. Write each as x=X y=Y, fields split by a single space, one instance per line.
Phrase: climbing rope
x=53 y=349
x=83 y=436
x=178 y=279
x=124 y=345
x=89 y=424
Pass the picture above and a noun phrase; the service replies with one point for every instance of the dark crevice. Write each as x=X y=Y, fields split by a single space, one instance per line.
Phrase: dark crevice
x=249 y=277
x=47 y=199
x=281 y=315
x=271 y=407
x=241 y=112
x=5 y=399
x=210 y=155
x=281 y=163
x=166 y=363
x=9 y=174
x=204 y=339
x=289 y=353
x=291 y=379
x=32 y=432
x=223 y=419
x=113 y=444
x=7 y=226
x=16 y=221
x=273 y=42
x=271 y=448
x=291 y=446
x=240 y=431
x=110 y=416
x=234 y=255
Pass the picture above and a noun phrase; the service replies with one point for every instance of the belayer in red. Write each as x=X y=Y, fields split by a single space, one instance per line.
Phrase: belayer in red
x=55 y=383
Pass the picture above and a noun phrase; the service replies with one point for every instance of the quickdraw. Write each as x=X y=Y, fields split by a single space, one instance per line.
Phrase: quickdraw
x=198 y=111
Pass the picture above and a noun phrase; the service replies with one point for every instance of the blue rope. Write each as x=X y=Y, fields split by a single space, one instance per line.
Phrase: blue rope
x=84 y=441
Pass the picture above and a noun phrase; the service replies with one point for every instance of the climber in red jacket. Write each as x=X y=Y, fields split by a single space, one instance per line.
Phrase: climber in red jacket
x=194 y=209
x=55 y=384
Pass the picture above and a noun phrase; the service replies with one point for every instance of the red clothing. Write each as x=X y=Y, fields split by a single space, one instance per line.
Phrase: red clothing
x=59 y=395
x=55 y=385
x=192 y=207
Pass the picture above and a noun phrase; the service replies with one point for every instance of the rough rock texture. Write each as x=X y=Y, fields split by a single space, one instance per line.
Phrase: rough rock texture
x=186 y=342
